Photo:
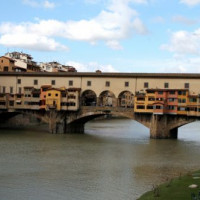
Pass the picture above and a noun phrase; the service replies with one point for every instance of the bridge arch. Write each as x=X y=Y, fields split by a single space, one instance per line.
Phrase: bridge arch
x=88 y=98
x=107 y=98
x=126 y=99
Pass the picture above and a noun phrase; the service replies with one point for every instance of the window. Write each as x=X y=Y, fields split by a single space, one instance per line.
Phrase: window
x=158 y=107
x=56 y=94
x=140 y=107
x=18 y=81
x=70 y=83
x=192 y=100
x=182 y=93
x=171 y=107
x=2 y=103
x=35 y=82
x=11 y=103
x=107 y=83
x=172 y=92
x=151 y=99
x=181 y=100
x=181 y=109
x=187 y=85
x=63 y=94
x=11 y=90
x=4 y=89
x=166 y=85
x=19 y=96
x=19 y=90
x=150 y=92
x=36 y=95
x=126 y=84
x=159 y=99
x=171 y=100
x=89 y=83
x=140 y=99
x=49 y=94
x=146 y=85
x=71 y=96
x=160 y=92
x=53 y=82
x=5 y=69
x=149 y=107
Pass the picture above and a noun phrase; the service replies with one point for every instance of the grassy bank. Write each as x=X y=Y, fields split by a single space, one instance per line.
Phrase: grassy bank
x=175 y=189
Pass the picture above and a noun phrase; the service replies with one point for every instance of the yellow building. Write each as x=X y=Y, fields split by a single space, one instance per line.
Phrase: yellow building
x=182 y=102
x=150 y=100
x=192 y=102
x=53 y=99
x=140 y=103
x=144 y=101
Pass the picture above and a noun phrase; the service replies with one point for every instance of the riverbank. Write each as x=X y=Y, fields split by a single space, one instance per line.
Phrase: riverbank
x=181 y=188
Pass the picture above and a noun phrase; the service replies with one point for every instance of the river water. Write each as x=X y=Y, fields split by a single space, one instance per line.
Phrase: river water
x=114 y=160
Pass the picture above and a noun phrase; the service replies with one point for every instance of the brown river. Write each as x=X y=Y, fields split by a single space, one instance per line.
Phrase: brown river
x=114 y=160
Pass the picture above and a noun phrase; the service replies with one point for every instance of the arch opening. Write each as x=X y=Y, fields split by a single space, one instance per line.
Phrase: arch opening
x=88 y=98
x=107 y=98
x=126 y=99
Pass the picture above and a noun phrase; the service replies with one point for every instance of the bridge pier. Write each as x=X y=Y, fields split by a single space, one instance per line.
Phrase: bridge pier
x=52 y=122
x=159 y=128
x=56 y=123
x=73 y=128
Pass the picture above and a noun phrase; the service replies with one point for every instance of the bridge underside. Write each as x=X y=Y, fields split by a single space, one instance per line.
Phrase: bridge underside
x=161 y=126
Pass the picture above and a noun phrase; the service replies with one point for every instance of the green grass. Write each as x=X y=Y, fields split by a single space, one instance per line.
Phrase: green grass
x=175 y=189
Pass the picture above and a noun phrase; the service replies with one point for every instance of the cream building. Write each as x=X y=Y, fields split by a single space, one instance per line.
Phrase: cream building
x=115 y=83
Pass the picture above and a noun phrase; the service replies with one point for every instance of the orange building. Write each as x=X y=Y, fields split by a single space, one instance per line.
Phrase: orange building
x=53 y=99
x=6 y=64
x=43 y=94
x=192 y=105
x=182 y=101
x=162 y=101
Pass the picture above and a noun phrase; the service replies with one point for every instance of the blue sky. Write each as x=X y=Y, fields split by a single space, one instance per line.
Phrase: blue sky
x=110 y=35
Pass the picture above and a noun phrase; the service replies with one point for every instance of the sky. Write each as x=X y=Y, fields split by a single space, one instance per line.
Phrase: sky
x=108 y=35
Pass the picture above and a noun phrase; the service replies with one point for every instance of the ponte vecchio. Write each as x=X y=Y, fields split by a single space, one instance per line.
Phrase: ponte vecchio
x=66 y=101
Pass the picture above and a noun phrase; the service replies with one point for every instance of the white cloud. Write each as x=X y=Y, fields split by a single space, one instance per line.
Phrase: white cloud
x=183 y=20
x=139 y=27
x=91 y=67
x=31 y=41
x=170 y=65
x=183 y=65
x=44 y=4
x=118 y=21
x=184 y=42
x=190 y=2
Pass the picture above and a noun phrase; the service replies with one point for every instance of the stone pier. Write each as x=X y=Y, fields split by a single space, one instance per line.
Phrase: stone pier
x=160 y=128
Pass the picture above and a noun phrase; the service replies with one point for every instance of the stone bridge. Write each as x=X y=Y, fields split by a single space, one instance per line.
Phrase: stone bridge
x=161 y=126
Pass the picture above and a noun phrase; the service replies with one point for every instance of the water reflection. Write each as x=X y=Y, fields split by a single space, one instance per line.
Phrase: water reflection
x=115 y=159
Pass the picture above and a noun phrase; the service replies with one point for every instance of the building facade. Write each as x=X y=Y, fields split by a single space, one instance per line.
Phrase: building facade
x=55 y=67
x=146 y=93
x=7 y=64
x=23 y=62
